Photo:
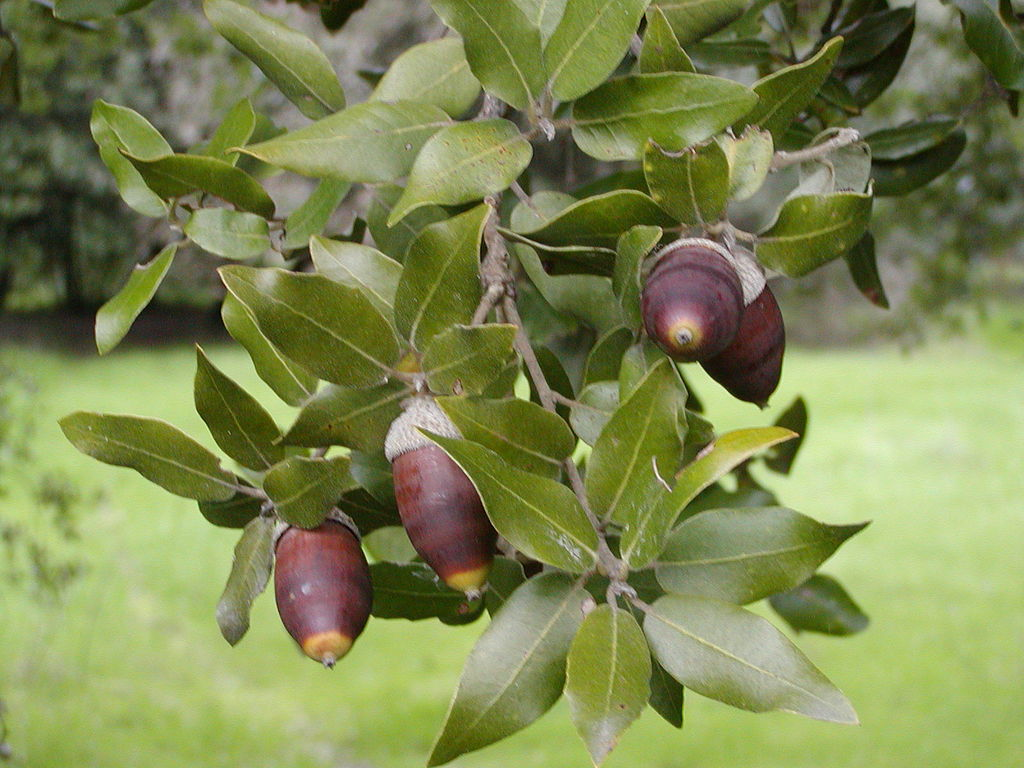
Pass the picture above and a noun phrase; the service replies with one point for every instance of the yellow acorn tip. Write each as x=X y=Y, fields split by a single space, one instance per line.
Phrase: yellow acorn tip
x=469 y=581
x=326 y=647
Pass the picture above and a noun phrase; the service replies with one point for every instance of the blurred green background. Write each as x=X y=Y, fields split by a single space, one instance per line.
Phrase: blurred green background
x=109 y=653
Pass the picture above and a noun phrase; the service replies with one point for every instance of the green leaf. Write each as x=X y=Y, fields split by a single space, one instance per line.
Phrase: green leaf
x=114 y=319
x=812 y=230
x=723 y=652
x=693 y=20
x=543 y=14
x=304 y=490
x=872 y=35
x=661 y=51
x=675 y=109
x=589 y=43
x=354 y=418
x=10 y=88
x=846 y=169
x=750 y=160
x=440 y=286
x=502 y=46
x=289 y=59
x=643 y=540
x=910 y=138
x=236 y=512
x=666 y=695
x=390 y=543
x=358 y=266
x=637 y=445
x=83 y=10
x=177 y=175
x=366 y=511
x=597 y=403
x=235 y=130
x=290 y=382
x=373 y=472
x=691 y=185
x=159 y=452
x=466 y=358
x=230 y=234
x=412 y=591
x=742 y=555
x=744 y=52
x=607 y=678
x=370 y=142
x=238 y=423
x=463 y=163
x=522 y=433
x=310 y=218
x=606 y=355
x=820 y=604
x=117 y=128
x=250 y=572
x=588 y=298
x=435 y=73
x=539 y=517
x=864 y=269
x=395 y=241
x=631 y=249
x=328 y=328
x=786 y=93
x=900 y=177
x=505 y=577
x=782 y=456
x=516 y=670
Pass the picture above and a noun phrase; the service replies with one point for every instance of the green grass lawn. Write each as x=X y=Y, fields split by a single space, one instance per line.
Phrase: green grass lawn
x=130 y=670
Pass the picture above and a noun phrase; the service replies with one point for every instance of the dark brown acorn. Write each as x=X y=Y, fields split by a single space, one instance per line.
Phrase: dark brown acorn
x=692 y=302
x=440 y=509
x=323 y=589
x=751 y=366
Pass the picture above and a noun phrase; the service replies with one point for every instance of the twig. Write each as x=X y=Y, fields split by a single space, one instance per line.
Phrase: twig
x=843 y=138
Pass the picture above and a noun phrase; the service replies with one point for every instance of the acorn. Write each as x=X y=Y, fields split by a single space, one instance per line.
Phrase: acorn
x=692 y=300
x=322 y=586
x=751 y=366
x=439 y=507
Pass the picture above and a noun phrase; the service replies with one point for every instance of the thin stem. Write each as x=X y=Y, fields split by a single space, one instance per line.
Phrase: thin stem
x=843 y=138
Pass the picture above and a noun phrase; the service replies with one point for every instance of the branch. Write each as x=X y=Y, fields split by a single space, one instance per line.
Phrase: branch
x=843 y=138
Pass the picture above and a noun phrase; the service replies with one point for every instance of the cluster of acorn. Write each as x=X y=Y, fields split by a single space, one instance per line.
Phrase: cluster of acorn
x=700 y=304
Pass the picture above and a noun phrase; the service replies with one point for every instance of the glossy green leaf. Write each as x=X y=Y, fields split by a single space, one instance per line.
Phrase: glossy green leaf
x=159 y=452
x=464 y=162
x=661 y=51
x=543 y=14
x=250 y=572
x=234 y=130
x=412 y=591
x=693 y=20
x=750 y=160
x=117 y=128
x=522 y=433
x=900 y=177
x=354 y=418
x=367 y=512
x=290 y=381
x=812 y=230
x=435 y=72
x=785 y=94
x=330 y=329
x=539 y=517
x=691 y=185
x=370 y=142
x=289 y=59
x=502 y=46
x=304 y=489
x=872 y=34
x=644 y=539
x=723 y=652
x=177 y=175
x=666 y=695
x=675 y=109
x=989 y=32
x=231 y=234
x=589 y=43
x=780 y=459
x=440 y=286
x=863 y=268
x=607 y=678
x=238 y=423
x=588 y=298
x=597 y=403
x=82 y=10
x=910 y=138
x=236 y=512
x=633 y=247
x=390 y=544
x=743 y=555
x=516 y=670
x=395 y=241
x=466 y=358
x=358 y=266
x=505 y=577
x=373 y=473
x=722 y=53
x=637 y=446
x=606 y=355
x=820 y=604
x=114 y=319
x=310 y=218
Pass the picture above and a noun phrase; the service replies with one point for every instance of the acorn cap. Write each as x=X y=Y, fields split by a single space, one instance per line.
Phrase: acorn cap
x=751 y=276
x=420 y=411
